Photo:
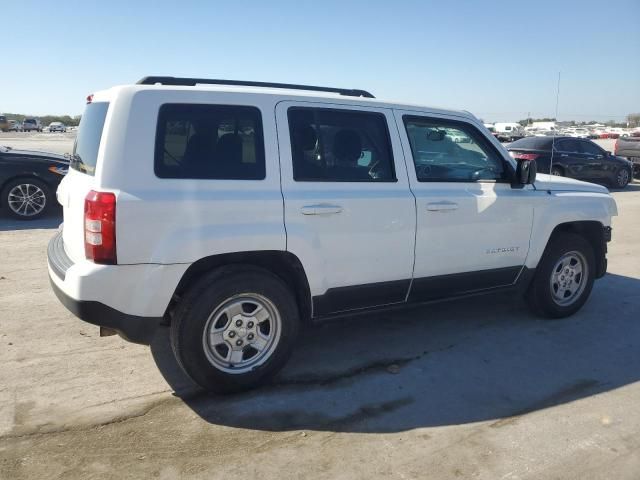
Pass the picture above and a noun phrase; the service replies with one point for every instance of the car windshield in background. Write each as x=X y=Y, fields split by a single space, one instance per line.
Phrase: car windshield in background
x=3 y=118
x=85 y=150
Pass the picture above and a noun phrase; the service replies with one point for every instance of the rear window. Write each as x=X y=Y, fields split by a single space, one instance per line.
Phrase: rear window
x=29 y=120
x=533 y=143
x=85 y=150
x=222 y=142
x=3 y=118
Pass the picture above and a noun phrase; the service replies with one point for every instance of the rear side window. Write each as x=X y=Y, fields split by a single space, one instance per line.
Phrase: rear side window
x=340 y=146
x=85 y=150
x=209 y=142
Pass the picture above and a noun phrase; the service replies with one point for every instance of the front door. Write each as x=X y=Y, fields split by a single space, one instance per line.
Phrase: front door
x=473 y=228
x=349 y=212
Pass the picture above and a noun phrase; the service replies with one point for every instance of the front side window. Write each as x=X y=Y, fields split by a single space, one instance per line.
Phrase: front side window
x=340 y=146
x=591 y=148
x=450 y=151
x=209 y=142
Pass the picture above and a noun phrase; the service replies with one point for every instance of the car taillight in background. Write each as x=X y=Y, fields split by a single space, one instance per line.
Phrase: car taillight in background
x=615 y=147
x=524 y=156
x=100 y=227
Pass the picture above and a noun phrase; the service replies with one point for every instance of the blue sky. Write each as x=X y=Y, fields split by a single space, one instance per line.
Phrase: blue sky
x=499 y=60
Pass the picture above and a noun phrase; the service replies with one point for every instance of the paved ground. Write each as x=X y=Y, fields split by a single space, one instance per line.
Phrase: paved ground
x=475 y=389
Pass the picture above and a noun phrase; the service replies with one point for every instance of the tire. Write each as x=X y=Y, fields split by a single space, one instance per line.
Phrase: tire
x=542 y=296
x=17 y=189
x=622 y=178
x=209 y=306
x=557 y=171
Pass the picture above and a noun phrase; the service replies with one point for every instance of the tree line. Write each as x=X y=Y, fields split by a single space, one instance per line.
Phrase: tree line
x=46 y=119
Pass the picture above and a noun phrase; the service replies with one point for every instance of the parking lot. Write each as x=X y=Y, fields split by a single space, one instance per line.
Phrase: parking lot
x=473 y=389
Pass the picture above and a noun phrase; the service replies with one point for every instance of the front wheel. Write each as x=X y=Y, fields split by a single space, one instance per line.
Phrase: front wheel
x=235 y=328
x=564 y=277
x=622 y=178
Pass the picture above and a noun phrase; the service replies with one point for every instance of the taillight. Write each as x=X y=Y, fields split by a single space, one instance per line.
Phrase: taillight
x=100 y=227
x=525 y=156
x=615 y=147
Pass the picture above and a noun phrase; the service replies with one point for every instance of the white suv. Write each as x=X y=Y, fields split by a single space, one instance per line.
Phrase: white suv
x=238 y=211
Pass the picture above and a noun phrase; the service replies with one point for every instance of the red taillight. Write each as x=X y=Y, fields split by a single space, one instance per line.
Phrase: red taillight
x=100 y=227
x=615 y=147
x=525 y=156
x=89 y=98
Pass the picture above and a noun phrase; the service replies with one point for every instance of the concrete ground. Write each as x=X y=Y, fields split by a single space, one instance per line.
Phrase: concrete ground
x=477 y=389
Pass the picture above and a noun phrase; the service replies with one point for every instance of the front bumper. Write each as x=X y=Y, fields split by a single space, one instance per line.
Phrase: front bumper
x=130 y=299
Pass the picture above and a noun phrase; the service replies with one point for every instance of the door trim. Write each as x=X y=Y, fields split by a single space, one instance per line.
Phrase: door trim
x=420 y=290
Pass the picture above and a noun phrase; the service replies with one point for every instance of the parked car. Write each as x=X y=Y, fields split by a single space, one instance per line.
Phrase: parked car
x=57 y=127
x=15 y=126
x=4 y=124
x=508 y=132
x=574 y=157
x=580 y=133
x=629 y=148
x=28 y=181
x=31 y=124
x=238 y=214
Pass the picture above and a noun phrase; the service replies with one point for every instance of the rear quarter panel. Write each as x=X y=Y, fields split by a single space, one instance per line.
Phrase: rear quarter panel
x=168 y=221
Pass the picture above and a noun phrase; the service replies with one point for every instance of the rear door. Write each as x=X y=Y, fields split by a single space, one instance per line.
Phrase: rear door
x=81 y=177
x=349 y=213
x=568 y=155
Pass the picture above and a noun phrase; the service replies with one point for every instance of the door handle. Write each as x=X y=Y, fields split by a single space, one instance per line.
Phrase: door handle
x=321 y=209
x=442 y=206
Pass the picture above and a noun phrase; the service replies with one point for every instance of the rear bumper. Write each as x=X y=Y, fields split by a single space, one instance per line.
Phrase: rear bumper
x=130 y=299
x=130 y=327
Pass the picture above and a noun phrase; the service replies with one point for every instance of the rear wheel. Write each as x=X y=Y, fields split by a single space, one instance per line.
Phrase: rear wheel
x=26 y=198
x=557 y=171
x=564 y=277
x=234 y=328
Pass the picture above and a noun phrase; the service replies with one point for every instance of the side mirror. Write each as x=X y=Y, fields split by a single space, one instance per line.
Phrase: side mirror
x=525 y=173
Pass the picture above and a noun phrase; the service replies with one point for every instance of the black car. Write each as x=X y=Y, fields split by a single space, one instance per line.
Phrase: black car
x=574 y=157
x=28 y=181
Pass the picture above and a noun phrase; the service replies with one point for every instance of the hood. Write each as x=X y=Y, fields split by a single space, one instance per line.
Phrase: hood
x=563 y=184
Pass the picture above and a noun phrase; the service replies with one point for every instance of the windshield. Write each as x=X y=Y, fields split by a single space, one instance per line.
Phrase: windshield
x=85 y=150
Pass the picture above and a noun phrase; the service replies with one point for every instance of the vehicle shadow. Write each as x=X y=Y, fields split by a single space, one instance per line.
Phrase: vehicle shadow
x=51 y=220
x=482 y=359
x=631 y=187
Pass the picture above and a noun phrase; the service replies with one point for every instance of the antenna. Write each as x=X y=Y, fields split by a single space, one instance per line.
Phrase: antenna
x=553 y=139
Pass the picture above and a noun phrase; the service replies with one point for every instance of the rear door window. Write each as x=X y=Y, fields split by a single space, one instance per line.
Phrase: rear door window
x=209 y=142
x=331 y=145
x=568 y=146
x=85 y=150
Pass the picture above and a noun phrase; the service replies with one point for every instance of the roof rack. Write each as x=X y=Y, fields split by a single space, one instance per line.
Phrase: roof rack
x=190 y=82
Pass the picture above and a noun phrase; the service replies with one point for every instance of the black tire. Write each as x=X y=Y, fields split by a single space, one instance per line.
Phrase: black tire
x=557 y=171
x=540 y=297
x=207 y=296
x=621 y=180
x=48 y=197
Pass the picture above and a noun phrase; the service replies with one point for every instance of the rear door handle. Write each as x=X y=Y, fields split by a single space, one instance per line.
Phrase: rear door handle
x=321 y=209
x=441 y=206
